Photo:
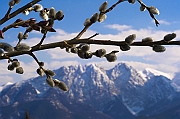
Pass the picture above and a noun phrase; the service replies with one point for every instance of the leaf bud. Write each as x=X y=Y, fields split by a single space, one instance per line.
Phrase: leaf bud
x=74 y=50
x=87 y=55
x=22 y=47
x=20 y=36
x=130 y=39
x=43 y=15
x=37 y=7
x=6 y=47
x=154 y=10
x=17 y=1
x=147 y=39
x=87 y=22
x=169 y=37
x=49 y=72
x=125 y=47
x=142 y=8
x=1 y=34
x=132 y=1
x=16 y=64
x=52 y=13
x=158 y=48
x=50 y=81
x=102 y=17
x=61 y=85
x=10 y=67
x=40 y=71
x=11 y=3
x=25 y=12
x=103 y=7
x=85 y=47
x=111 y=57
x=19 y=70
x=100 y=53
x=1 y=52
x=94 y=18
x=59 y=15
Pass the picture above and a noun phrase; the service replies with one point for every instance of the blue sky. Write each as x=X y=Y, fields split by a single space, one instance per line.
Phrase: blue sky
x=122 y=21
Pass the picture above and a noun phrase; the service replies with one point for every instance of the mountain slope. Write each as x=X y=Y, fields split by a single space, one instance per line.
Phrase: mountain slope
x=120 y=92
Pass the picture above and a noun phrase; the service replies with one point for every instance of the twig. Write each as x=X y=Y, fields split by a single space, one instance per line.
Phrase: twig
x=113 y=6
x=18 y=11
x=152 y=15
x=89 y=41
x=93 y=35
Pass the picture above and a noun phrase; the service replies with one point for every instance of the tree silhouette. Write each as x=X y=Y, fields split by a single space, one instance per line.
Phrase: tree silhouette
x=76 y=45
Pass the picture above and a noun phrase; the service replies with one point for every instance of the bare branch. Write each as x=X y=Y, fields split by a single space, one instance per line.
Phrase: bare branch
x=18 y=11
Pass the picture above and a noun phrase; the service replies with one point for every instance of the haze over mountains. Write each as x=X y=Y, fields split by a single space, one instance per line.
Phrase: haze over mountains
x=120 y=92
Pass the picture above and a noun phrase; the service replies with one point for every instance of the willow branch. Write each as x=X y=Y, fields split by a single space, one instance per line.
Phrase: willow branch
x=89 y=41
x=113 y=6
x=18 y=11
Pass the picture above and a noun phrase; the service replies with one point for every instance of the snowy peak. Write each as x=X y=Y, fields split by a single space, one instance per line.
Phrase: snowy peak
x=152 y=72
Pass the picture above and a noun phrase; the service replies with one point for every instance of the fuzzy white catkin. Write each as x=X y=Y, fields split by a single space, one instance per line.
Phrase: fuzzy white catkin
x=23 y=47
x=37 y=7
x=94 y=18
x=103 y=7
x=154 y=10
x=50 y=81
x=6 y=47
x=130 y=39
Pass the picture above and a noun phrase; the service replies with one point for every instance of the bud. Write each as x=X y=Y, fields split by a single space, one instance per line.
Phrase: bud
x=132 y=1
x=147 y=39
x=56 y=81
x=68 y=50
x=40 y=71
x=50 y=81
x=11 y=3
x=6 y=47
x=74 y=50
x=100 y=53
x=19 y=70
x=15 y=64
x=130 y=39
x=159 y=48
x=41 y=64
x=154 y=10
x=169 y=37
x=85 y=47
x=102 y=17
x=17 y=1
x=22 y=47
x=142 y=8
x=25 y=36
x=43 y=15
x=49 y=72
x=25 y=12
x=125 y=47
x=87 y=22
x=1 y=34
x=62 y=86
x=59 y=15
x=50 y=22
x=87 y=55
x=103 y=7
x=81 y=54
x=52 y=13
x=94 y=18
x=111 y=57
x=10 y=67
x=1 y=52
x=20 y=36
x=37 y=7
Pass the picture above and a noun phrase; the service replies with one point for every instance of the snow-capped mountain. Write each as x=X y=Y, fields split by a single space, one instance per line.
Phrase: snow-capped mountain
x=120 y=92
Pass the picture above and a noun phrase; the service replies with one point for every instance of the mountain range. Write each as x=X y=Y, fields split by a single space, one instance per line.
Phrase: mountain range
x=121 y=92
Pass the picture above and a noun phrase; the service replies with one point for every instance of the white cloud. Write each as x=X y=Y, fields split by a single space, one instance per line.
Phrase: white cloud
x=5 y=79
x=119 y=27
x=163 y=22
